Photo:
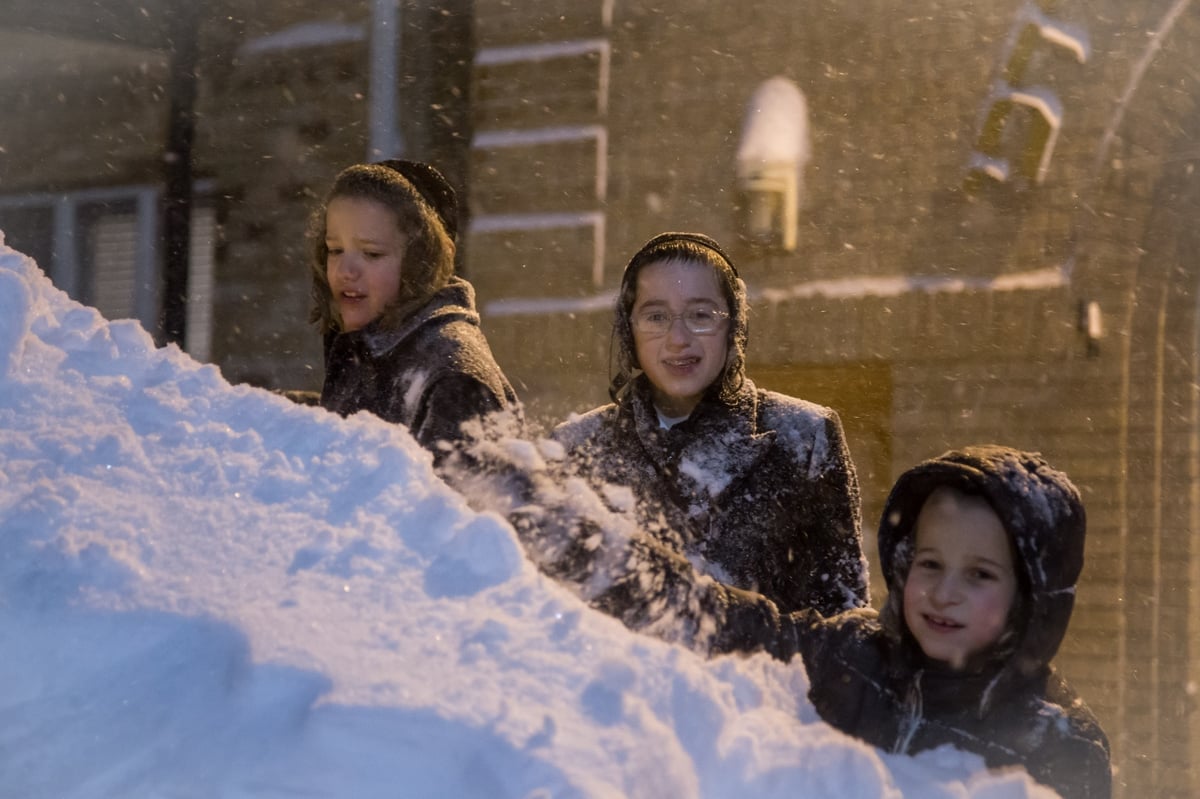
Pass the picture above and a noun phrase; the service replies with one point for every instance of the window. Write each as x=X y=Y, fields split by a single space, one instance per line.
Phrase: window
x=101 y=247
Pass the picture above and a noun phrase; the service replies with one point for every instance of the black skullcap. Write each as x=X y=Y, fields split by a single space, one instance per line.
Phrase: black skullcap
x=666 y=238
x=433 y=187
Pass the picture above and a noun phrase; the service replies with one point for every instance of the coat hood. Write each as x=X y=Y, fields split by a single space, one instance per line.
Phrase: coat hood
x=1044 y=516
x=682 y=246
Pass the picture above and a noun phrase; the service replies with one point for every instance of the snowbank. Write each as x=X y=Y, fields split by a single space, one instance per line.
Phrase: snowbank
x=208 y=591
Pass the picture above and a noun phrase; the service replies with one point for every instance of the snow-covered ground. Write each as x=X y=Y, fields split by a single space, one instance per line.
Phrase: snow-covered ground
x=207 y=591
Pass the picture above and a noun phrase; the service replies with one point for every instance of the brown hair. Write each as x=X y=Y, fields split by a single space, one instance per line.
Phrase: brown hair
x=428 y=262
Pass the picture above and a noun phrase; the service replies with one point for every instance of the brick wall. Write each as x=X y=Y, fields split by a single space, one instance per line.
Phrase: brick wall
x=278 y=125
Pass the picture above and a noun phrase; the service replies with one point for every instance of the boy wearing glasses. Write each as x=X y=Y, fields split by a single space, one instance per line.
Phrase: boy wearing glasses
x=756 y=487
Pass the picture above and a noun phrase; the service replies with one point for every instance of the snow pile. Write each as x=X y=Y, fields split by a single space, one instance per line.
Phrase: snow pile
x=207 y=591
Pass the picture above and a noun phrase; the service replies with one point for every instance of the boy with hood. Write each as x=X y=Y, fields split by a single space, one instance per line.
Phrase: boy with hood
x=981 y=549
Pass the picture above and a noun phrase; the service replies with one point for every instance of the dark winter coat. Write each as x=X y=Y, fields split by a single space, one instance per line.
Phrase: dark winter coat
x=762 y=489
x=430 y=373
x=869 y=679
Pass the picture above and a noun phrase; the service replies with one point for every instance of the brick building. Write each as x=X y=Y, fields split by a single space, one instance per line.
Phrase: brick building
x=985 y=231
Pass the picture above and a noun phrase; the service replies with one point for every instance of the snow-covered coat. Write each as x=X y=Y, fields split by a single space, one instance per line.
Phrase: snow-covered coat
x=761 y=489
x=431 y=372
x=869 y=678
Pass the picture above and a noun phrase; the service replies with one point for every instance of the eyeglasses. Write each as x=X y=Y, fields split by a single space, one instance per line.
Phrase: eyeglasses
x=699 y=321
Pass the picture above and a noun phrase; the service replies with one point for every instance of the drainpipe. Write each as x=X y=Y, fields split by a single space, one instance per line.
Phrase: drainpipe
x=177 y=170
x=385 y=140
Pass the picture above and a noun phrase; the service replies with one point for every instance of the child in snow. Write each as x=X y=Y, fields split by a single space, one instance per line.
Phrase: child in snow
x=402 y=337
x=981 y=549
x=756 y=485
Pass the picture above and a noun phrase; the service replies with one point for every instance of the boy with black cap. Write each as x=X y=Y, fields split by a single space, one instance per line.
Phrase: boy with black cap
x=401 y=333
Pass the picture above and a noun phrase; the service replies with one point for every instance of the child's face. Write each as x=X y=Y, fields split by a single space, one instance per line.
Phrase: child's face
x=680 y=364
x=961 y=586
x=366 y=252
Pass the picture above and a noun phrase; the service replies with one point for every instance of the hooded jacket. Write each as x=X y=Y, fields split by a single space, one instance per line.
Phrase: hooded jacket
x=869 y=678
x=761 y=490
x=867 y=674
x=430 y=372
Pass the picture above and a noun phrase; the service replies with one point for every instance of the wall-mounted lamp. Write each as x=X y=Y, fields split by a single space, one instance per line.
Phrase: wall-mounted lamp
x=770 y=165
x=1091 y=324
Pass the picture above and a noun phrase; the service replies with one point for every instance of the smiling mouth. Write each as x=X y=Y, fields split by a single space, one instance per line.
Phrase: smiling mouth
x=681 y=363
x=941 y=623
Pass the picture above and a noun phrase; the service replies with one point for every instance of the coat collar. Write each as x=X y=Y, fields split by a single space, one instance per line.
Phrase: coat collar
x=454 y=301
x=710 y=451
